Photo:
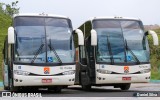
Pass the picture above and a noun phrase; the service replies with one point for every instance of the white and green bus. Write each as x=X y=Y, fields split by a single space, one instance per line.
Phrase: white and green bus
x=39 y=52
x=116 y=53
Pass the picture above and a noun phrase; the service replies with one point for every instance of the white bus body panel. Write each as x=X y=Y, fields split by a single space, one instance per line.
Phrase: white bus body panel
x=117 y=78
x=36 y=80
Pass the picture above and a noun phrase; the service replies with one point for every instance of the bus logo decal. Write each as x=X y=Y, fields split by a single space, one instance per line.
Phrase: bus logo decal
x=46 y=70
x=50 y=59
x=126 y=69
x=129 y=58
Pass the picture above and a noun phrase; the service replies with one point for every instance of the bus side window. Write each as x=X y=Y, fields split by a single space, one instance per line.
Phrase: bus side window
x=88 y=28
x=90 y=49
x=5 y=52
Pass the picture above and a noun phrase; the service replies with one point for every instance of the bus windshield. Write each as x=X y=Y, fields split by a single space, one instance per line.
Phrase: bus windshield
x=43 y=40
x=121 y=41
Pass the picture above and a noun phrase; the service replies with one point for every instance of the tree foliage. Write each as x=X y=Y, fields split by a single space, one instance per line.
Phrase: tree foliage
x=6 y=13
x=1 y=7
x=9 y=9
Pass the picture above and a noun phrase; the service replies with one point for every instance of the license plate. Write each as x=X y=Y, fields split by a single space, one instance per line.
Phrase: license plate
x=126 y=78
x=46 y=80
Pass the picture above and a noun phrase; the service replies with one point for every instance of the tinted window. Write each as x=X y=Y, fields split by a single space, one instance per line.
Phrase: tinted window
x=117 y=36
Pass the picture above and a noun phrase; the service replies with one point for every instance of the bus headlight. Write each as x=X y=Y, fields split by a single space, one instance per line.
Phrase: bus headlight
x=19 y=72
x=145 y=71
x=68 y=72
x=104 y=71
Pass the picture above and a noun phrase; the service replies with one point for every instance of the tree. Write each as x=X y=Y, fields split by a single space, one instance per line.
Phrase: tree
x=12 y=9
x=1 y=8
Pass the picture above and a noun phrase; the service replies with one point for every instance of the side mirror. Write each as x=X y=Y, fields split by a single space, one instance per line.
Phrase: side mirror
x=93 y=37
x=154 y=35
x=80 y=37
x=11 y=35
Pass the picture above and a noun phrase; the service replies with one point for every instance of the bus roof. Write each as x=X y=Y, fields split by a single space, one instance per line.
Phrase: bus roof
x=116 y=17
x=41 y=14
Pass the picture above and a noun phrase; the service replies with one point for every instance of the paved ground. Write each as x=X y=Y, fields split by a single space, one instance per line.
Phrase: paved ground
x=102 y=92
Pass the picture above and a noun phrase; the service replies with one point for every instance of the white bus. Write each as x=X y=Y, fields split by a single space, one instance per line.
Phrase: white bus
x=39 y=52
x=116 y=53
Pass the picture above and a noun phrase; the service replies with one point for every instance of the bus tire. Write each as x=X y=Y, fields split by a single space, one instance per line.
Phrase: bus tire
x=6 y=88
x=28 y=89
x=57 y=89
x=86 y=87
x=14 y=89
x=125 y=86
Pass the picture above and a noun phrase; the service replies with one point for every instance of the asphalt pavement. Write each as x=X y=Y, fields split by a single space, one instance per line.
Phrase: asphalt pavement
x=136 y=90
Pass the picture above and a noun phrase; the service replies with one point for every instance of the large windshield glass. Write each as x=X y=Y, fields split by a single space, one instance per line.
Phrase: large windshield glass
x=121 y=41
x=59 y=37
x=136 y=41
x=43 y=40
x=110 y=41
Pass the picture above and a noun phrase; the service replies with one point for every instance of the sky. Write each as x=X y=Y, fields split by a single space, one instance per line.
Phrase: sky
x=80 y=11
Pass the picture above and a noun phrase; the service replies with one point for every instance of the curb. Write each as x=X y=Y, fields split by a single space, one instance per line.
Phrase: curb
x=155 y=81
x=1 y=84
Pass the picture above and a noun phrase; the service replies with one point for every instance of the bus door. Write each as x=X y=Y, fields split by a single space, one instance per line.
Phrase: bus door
x=90 y=50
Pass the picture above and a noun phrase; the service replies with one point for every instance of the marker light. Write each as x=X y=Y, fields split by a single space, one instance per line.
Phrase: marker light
x=68 y=73
x=104 y=71
x=20 y=72
x=145 y=71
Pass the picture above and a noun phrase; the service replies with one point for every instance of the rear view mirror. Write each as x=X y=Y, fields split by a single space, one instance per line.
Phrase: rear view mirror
x=154 y=35
x=11 y=35
x=93 y=37
x=80 y=37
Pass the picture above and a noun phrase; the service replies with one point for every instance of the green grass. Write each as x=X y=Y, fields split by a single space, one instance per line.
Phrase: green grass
x=155 y=58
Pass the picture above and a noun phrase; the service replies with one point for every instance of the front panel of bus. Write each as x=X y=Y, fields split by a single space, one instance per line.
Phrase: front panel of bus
x=44 y=52
x=122 y=52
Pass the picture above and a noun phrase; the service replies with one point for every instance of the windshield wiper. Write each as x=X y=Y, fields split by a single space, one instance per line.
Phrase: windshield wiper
x=38 y=51
x=110 y=50
x=127 y=48
x=51 y=48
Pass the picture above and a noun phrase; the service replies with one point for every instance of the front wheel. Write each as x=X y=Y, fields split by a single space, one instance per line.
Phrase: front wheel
x=6 y=88
x=11 y=87
x=86 y=87
x=14 y=89
x=57 y=89
x=125 y=86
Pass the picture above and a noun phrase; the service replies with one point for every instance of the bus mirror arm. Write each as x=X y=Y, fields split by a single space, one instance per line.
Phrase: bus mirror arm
x=154 y=35
x=80 y=37
x=93 y=37
x=11 y=39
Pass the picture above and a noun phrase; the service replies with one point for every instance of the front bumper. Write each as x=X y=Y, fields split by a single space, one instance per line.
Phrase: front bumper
x=20 y=80
x=117 y=78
